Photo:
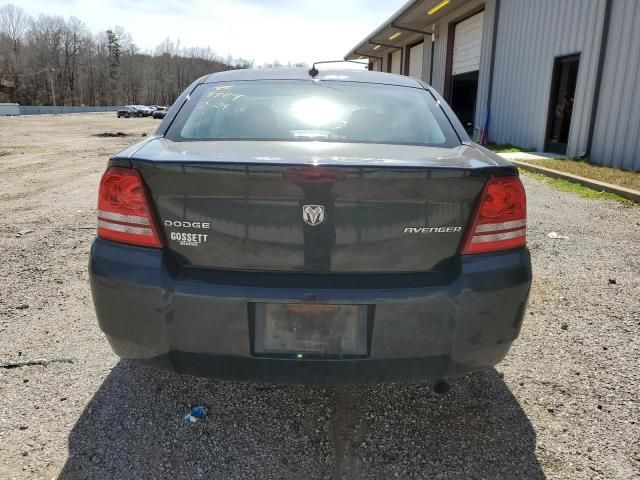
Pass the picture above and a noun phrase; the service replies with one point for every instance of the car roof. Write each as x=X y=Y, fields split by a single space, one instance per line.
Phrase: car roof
x=343 y=75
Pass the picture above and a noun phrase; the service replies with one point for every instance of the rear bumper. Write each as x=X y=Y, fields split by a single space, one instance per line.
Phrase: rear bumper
x=200 y=322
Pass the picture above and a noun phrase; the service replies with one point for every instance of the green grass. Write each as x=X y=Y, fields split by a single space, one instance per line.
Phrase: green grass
x=506 y=148
x=576 y=188
x=614 y=176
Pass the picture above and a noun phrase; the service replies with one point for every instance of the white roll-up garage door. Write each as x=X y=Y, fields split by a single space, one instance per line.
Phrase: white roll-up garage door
x=467 y=44
x=415 y=60
x=396 y=59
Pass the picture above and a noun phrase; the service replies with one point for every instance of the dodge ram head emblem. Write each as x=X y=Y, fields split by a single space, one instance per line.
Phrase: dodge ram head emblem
x=313 y=214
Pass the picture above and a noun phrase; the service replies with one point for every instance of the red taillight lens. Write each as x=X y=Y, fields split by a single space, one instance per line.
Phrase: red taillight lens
x=500 y=220
x=124 y=213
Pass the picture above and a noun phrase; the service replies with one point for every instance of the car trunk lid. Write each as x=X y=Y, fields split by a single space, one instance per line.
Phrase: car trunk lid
x=313 y=206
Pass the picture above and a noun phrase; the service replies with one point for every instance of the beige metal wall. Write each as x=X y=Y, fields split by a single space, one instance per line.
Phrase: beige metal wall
x=531 y=34
x=616 y=141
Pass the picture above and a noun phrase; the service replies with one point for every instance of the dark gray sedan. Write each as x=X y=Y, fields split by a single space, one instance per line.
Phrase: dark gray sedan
x=302 y=227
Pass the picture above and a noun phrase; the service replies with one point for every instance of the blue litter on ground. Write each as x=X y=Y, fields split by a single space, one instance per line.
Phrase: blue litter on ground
x=194 y=415
x=198 y=412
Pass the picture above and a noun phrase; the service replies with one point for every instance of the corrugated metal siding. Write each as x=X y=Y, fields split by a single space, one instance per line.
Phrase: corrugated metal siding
x=616 y=141
x=426 y=58
x=530 y=35
x=485 y=61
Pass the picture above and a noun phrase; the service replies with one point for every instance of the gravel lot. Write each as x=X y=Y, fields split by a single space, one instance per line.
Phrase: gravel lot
x=564 y=404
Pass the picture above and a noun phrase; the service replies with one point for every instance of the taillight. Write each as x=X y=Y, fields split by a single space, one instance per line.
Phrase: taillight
x=500 y=219
x=124 y=213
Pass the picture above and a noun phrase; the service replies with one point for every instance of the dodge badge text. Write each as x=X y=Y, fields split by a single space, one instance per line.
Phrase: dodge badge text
x=186 y=224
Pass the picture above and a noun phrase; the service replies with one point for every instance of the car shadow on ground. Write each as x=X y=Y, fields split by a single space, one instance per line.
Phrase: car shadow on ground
x=133 y=428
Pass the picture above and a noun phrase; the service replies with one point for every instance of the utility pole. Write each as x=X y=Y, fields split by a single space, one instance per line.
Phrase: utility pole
x=53 y=92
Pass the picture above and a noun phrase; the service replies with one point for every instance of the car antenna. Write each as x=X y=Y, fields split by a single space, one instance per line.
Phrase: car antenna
x=313 y=71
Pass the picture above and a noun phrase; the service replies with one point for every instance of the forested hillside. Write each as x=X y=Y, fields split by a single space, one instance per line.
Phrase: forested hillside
x=54 y=60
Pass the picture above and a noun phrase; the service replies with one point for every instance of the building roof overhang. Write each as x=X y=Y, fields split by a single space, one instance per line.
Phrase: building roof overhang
x=412 y=18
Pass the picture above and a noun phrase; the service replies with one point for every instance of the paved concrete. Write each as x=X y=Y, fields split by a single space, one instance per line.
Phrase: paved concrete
x=529 y=155
x=624 y=192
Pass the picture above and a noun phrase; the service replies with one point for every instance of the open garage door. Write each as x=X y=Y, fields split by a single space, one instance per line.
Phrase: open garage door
x=465 y=68
x=416 y=54
x=467 y=44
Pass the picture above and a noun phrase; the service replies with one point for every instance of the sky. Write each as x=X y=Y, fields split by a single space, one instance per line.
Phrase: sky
x=259 y=30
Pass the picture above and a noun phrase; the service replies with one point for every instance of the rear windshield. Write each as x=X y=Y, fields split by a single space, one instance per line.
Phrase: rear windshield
x=294 y=110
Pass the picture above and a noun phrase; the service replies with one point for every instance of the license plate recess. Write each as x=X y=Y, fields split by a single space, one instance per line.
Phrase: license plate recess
x=306 y=330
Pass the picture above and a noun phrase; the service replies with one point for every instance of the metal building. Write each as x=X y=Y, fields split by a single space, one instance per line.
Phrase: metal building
x=552 y=75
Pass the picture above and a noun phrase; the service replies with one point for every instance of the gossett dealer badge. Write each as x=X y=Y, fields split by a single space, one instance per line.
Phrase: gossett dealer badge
x=313 y=214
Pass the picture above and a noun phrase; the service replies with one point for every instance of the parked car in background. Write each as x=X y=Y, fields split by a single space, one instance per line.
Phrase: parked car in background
x=141 y=110
x=145 y=110
x=159 y=112
x=305 y=227
x=127 y=112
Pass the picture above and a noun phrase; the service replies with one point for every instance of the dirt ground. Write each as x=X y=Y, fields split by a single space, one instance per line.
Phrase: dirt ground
x=564 y=403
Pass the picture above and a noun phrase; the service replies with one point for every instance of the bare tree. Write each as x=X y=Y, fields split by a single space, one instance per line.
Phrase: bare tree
x=13 y=27
x=14 y=23
x=53 y=58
